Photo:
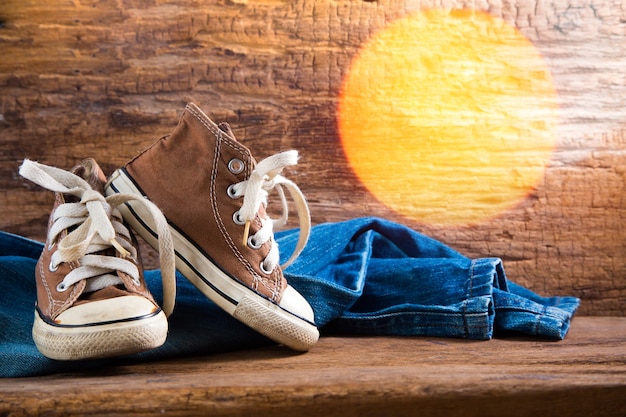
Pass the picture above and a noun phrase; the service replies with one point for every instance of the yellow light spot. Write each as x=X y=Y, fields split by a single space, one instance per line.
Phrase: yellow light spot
x=448 y=117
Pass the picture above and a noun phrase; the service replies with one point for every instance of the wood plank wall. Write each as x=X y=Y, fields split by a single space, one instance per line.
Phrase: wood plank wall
x=106 y=78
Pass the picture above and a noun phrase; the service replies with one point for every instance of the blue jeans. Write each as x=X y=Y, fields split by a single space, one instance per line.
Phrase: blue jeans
x=366 y=276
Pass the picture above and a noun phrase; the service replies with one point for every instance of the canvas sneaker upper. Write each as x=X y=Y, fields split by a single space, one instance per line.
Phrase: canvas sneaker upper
x=214 y=195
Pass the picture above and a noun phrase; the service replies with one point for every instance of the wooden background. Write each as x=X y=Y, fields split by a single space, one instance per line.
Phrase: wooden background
x=104 y=79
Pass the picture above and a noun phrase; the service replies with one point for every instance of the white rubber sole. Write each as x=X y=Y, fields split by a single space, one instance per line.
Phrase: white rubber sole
x=99 y=340
x=232 y=296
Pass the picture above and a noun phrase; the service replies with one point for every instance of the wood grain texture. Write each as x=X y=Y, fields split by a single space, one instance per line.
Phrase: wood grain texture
x=584 y=375
x=104 y=79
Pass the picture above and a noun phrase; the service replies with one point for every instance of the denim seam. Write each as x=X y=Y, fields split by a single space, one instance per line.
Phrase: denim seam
x=414 y=313
x=466 y=325
x=537 y=322
x=471 y=279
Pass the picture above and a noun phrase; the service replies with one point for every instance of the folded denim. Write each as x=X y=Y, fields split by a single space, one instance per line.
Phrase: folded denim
x=371 y=276
x=366 y=276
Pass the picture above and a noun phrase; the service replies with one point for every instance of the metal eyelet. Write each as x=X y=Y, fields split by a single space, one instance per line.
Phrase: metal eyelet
x=237 y=219
x=61 y=287
x=236 y=166
x=265 y=271
x=52 y=268
x=231 y=191
x=252 y=243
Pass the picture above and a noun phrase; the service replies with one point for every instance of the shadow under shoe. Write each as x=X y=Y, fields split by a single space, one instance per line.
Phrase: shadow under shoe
x=214 y=194
x=92 y=300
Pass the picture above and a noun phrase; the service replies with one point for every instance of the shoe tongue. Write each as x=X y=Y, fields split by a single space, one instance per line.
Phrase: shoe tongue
x=225 y=127
x=90 y=171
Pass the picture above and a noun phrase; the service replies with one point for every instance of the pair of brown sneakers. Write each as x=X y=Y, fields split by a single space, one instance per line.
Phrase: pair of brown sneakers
x=92 y=300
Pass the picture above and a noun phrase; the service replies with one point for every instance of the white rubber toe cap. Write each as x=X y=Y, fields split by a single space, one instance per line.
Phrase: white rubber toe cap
x=296 y=304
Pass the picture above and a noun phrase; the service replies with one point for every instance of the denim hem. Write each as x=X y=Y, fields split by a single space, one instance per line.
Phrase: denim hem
x=471 y=319
x=548 y=318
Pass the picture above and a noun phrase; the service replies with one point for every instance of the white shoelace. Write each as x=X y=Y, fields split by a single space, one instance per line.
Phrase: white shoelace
x=97 y=222
x=265 y=177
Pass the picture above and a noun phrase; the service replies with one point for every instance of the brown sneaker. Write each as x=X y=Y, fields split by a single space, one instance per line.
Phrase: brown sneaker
x=213 y=195
x=92 y=301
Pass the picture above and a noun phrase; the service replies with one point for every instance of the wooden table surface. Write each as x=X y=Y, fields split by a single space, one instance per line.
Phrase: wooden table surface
x=585 y=375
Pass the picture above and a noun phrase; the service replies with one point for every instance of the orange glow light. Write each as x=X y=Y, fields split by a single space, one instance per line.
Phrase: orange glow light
x=448 y=117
